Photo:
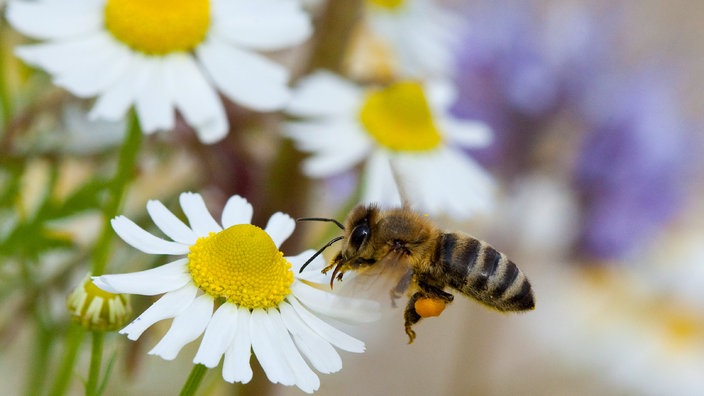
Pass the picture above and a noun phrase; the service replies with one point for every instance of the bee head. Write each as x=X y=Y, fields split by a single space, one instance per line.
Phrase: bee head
x=357 y=248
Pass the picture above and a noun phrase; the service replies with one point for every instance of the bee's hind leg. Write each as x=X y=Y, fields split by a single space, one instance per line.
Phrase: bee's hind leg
x=412 y=316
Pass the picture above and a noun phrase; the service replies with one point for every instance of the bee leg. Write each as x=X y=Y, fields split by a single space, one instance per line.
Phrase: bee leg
x=435 y=292
x=412 y=317
x=426 y=291
x=398 y=291
x=327 y=268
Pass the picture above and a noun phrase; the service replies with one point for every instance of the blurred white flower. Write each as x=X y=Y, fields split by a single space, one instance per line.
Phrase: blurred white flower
x=399 y=131
x=412 y=38
x=623 y=328
x=162 y=56
x=261 y=301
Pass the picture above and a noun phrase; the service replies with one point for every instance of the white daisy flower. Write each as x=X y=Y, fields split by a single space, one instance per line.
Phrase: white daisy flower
x=162 y=56
x=261 y=302
x=400 y=131
x=411 y=38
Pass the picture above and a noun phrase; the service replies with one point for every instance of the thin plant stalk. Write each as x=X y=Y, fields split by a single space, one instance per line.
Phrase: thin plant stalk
x=194 y=380
x=116 y=193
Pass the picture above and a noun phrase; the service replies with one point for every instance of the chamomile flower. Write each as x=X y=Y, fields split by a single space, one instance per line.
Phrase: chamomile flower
x=235 y=287
x=400 y=131
x=162 y=56
x=409 y=38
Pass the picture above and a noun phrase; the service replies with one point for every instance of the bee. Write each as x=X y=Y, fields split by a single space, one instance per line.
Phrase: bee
x=424 y=261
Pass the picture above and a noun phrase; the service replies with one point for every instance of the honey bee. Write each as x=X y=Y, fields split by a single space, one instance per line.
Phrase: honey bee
x=423 y=261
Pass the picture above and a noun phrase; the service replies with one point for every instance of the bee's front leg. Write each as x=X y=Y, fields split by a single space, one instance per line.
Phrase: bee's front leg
x=326 y=269
x=338 y=272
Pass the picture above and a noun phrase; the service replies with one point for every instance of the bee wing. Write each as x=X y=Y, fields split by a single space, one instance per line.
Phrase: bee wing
x=386 y=281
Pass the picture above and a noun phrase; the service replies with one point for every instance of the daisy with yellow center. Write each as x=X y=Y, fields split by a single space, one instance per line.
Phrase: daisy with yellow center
x=235 y=287
x=400 y=131
x=161 y=56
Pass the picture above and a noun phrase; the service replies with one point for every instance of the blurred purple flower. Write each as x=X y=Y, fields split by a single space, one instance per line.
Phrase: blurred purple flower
x=523 y=69
x=633 y=164
x=518 y=67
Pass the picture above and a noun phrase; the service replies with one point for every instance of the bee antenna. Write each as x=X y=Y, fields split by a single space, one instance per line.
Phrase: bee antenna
x=327 y=245
x=337 y=223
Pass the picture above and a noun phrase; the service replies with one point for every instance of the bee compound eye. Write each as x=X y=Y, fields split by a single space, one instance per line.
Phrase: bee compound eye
x=359 y=235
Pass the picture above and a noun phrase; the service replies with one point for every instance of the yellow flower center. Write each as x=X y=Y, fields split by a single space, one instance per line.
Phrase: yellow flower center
x=242 y=265
x=158 y=27
x=399 y=118
x=388 y=4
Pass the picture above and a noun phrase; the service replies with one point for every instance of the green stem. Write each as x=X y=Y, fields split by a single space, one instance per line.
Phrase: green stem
x=194 y=380
x=36 y=304
x=116 y=192
x=95 y=363
x=40 y=361
x=5 y=100
x=73 y=342
x=125 y=172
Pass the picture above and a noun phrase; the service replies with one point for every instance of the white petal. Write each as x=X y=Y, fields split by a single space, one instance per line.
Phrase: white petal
x=195 y=98
x=262 y=24
x=466 y=191
x=186 y=327
x=315 y=277
x=466 y=133
x=326 y=135
x=319 y=352
x=380 y=186
x=326 y=331
x=236 y=211
x=55 y=20
x=169 y=224
x=97 y=70
x=202 y=222
x=116 y=99
x=337 y=145
x=85 y=67
x=154 y=103
x=313 y=267
x=334 y=306
x=218 y=336
x=168 y=306
x=266 y=348
x=247 y=78
x=306 y=379
x=441 y=94
x=279 y=227
x=140 y=239
x=235 y=367
x=329 y=164
x=150 y=282
x=325 y=94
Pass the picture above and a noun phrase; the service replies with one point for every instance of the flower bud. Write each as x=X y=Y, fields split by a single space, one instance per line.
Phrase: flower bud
x=96 y=309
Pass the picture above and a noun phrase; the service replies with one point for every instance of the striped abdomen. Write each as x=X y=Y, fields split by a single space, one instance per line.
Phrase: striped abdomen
x=483 y=273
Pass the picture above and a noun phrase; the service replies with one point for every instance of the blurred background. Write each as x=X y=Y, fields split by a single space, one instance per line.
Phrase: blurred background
x=596 y=109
